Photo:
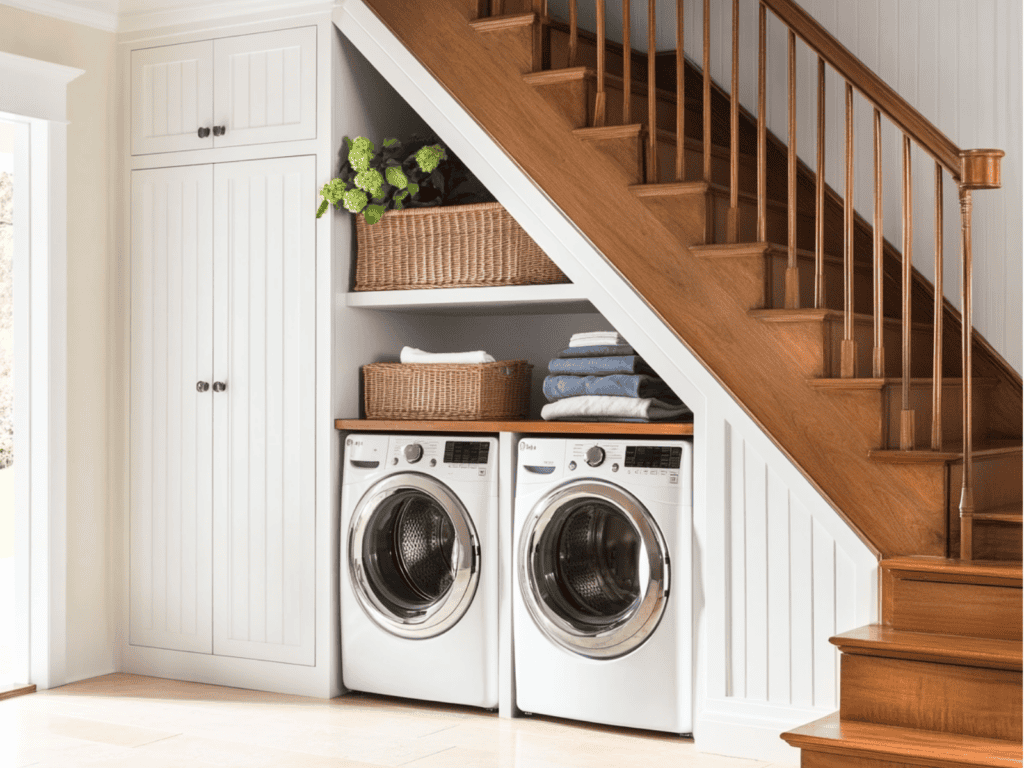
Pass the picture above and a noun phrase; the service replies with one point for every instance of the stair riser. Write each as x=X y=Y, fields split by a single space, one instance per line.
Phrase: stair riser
x=935 y=697
x=520 y=46
x=863 y=334
x=921 y=404
x=833 y=284
x=572 y=99
x=830 y=760
x=981 y=610
x=998 y=483
x=626 y=152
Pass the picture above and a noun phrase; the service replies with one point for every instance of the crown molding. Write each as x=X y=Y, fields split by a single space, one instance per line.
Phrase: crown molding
x=67 y=11
x=180 y=14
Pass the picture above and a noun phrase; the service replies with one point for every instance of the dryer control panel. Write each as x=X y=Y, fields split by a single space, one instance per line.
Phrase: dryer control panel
x=455 y=458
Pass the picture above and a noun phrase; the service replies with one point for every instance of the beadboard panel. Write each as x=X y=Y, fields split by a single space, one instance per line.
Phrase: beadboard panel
x=172 y=97
x=171 y=422
x=958 y=62
x=264 y=425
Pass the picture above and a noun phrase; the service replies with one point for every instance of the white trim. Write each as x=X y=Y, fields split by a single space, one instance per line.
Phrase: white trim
x=68 y=11
x=614 y=298
x=227 y=10
x=33 y=88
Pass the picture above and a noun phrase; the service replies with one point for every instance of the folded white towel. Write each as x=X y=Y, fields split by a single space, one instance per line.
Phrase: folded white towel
x=607 y=406
x=413 y=355
x=595 y=338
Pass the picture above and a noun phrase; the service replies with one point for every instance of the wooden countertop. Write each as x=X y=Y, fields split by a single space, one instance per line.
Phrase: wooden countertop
x=528 y=426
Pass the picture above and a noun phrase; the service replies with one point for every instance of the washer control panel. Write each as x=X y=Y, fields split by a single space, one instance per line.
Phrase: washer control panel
x=442 y=456
x=647 y=464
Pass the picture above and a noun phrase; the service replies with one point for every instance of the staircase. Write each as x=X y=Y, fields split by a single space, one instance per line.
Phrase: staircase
x=849 y=359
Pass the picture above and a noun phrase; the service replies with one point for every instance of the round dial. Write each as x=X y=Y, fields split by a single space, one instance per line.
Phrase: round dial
x=413 y=452
x=595 y=456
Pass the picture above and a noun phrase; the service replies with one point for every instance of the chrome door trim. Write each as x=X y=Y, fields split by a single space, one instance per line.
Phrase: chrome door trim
x=627 y=632
x=444 y=614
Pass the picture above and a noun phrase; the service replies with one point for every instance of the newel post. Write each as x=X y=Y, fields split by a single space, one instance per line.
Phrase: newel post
x=979 y=169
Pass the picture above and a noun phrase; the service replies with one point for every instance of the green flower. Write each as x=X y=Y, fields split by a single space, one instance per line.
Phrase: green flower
x=354 y=200
x=370 y=181
x=360 y=154
x=428 y=158
x=333 y=190
x=396 y=178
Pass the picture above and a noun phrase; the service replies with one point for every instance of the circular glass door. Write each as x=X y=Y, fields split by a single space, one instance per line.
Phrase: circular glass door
x=413 y=556
x=593 y=569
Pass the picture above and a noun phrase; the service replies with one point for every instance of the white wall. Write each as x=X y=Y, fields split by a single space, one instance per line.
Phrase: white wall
x=89 y=238
x=958 y=62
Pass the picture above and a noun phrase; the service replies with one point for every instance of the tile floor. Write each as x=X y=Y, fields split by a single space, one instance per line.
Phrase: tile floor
x=143 y=722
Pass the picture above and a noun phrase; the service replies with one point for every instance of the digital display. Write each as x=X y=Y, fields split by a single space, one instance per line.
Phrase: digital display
x=458 y=452
x=653 y=456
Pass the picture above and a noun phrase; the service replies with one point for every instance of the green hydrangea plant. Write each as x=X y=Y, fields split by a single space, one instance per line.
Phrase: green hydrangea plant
x=417 y=173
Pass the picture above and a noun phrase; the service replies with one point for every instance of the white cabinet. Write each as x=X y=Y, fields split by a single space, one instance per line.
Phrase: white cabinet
x=233 y=91
x=222 y=540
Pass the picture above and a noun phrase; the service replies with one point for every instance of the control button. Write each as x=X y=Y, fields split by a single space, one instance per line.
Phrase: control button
x=595 y=456
x=413 y=452
x=433 y=462
x=394 y=460
x=615 y=467
x=572 y=465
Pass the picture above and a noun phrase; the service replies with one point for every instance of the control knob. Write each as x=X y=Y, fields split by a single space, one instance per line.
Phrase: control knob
x=595 y=456
x=413 y=452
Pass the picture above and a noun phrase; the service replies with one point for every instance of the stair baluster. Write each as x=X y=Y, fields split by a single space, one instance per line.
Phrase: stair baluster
x=819 y=197
x=907 y=426
x=878 y=352
x=849 y=346
x=792 y=271
x=967 y=489
x=733 y=221
x=600 y=109
x=574 y=38
x=680 y=94
x=627 y=65
x=652 y=97
x=937 y=337
x=762 y=143
x=707 y=91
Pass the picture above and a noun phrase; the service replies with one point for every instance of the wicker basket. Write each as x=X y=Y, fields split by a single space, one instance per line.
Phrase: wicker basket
x=455 y=246
x=452 y=392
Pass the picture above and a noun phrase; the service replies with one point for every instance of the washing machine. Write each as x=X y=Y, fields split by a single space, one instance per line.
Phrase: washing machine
x=602 y=597
x=419 y=575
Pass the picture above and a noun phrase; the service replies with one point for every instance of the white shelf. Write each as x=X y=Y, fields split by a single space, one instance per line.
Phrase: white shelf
x=563 y=298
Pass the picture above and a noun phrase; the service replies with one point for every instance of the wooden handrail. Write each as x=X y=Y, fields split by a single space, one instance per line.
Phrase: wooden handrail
x=870 y=85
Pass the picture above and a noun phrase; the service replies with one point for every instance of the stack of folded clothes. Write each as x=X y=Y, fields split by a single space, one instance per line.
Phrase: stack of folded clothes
x=601 y=378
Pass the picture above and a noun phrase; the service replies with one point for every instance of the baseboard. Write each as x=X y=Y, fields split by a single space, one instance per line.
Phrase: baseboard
x=10 y=691
x=742 y=734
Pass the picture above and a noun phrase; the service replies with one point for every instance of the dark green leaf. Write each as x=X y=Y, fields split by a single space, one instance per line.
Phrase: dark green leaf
x=373 y=213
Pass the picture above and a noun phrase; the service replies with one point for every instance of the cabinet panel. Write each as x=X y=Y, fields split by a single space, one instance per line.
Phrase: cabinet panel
x=265 y=86
x=171 y=422
x=264 y=422
x=172 y=97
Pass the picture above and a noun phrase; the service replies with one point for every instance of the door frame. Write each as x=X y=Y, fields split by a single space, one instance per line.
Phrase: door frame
x=33 y=97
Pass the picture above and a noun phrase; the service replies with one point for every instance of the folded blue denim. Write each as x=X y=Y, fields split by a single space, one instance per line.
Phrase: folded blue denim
x=617 y=385
x=598 y=350
x=599 y=366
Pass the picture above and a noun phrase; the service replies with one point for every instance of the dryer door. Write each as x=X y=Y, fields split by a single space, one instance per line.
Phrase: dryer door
x=413 y=556
x=593 y=569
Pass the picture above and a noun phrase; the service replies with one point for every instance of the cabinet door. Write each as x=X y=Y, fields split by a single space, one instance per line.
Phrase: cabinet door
x=265 y=87
x=264 y=421
x=171 y=422
x=172 y=97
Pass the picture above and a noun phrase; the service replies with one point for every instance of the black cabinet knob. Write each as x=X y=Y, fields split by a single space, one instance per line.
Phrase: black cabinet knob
x=220 y=130
x=219 y=386
x=204 y=132
x=202 y=386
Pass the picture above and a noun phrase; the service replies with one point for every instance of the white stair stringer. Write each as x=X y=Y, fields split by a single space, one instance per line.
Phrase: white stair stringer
x=777 y=570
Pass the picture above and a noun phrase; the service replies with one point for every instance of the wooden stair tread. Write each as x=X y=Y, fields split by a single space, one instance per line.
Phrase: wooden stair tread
x=881 y=383
x=962 y=568
x=878 y=640
x=917 y=747
x=609 y=132
x=505 y=21
x=1009 y=514
x=948 y=453
x=670 y=189
x=741 y=250
x=813 y=315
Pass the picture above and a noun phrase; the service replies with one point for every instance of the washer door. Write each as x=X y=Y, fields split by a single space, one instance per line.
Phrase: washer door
x=593 y=569
x=413 y=556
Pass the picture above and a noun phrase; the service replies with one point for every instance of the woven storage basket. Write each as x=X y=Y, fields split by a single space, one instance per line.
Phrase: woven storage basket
x=452 y=246
x=452 y=392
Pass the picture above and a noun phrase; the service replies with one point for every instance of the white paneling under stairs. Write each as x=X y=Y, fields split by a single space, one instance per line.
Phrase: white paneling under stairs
x=264 y=422
x=171 y=422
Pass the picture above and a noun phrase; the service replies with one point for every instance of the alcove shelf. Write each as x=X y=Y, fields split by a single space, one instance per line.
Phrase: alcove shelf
x=524 y=427
x=561 y=298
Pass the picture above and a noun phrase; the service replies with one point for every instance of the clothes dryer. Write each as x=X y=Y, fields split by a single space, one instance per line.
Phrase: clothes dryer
x=419 y=577
x=602 y=623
